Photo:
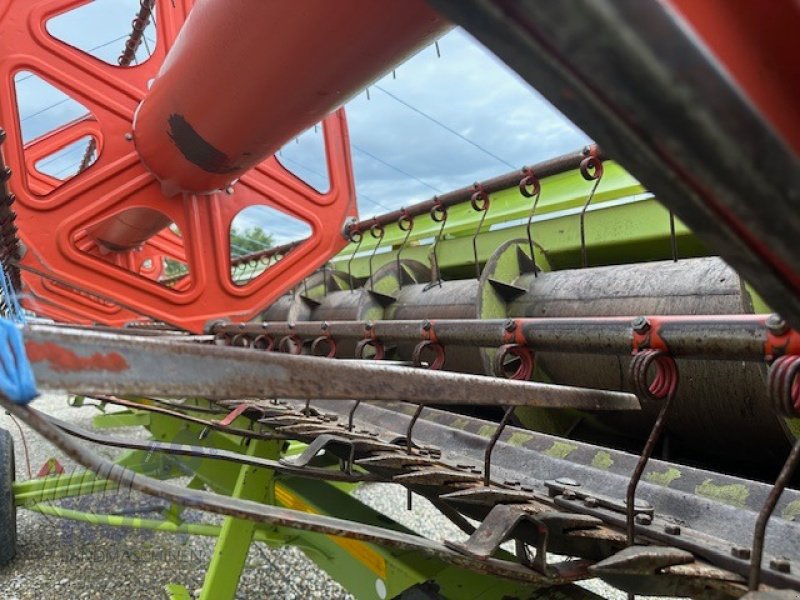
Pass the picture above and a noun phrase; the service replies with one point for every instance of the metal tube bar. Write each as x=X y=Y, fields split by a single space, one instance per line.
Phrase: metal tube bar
x=223 y=102
x=723 y=337
x=94 y=363
x=554 y=166
x=208 y=453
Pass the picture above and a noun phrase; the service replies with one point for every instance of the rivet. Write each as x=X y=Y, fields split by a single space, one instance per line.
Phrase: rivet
x=740 y=552
x=644 y=519
x=781 y=565
x=672 y=529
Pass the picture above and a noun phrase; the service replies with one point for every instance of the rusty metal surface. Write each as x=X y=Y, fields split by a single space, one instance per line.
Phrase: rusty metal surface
x=105 y=363
x=245 y=509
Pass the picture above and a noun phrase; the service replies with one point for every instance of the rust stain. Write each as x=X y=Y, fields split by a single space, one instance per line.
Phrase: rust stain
x=64 y=360
x=197 y=150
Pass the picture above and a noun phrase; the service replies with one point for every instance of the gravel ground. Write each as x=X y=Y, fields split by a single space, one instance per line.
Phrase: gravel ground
x=66 y=559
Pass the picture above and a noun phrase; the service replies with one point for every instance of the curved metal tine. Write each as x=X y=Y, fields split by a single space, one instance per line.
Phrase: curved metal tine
x=672 y=238
x=403 y=247
x=757 y=553
x=305 y=287
x=475 y=241
x=307 y=408
x=530 y=230
x=325 y=268
x=487 y=457
x=409 y=446
x=647 y=451
x=350 y=261
x=351 y=414
x=379 y=237
x=584 y=253
x=436 y=271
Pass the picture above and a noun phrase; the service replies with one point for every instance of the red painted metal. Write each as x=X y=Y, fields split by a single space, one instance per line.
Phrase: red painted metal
x=757 y=43
x=95 y=243
x=245 y=77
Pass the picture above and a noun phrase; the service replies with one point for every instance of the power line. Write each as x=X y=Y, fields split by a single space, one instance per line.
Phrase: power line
x=443 y=126
x=393 y=167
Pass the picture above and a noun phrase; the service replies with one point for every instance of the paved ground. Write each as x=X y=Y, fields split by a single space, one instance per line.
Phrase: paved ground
x=64 y=559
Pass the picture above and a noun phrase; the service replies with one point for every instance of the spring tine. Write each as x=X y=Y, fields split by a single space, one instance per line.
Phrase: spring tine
x=757 y=553
x=672 y=238
x=664 y=387
x=487 y=457
x=351 y=414
x=530 y=180
x=436 y=275
x=358 y=238
x=409 y=446
x=479 y=202
x=404 y=223
x=377 y=232
x=591 y=169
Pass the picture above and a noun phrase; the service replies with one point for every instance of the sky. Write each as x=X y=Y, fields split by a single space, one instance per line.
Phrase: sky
x=441 y=121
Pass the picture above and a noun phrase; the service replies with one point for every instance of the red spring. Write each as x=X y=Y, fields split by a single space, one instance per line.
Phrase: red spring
x=783 y=385
x=380 y=349
x=523 y=371
x=324 y=345
x=264 y=342
x=529 y=185
x=431 y=346
x=665 y=382
x=290 y=344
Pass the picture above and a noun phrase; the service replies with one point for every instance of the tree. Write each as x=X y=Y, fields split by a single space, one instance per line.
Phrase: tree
x=250 y=239
x=243 y=241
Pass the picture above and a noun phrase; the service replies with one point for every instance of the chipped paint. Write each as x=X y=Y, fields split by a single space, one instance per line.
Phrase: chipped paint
x=664 y=478
x=734 y=494
x=487 y=430
x=65 y=360
x=602 y=460
x=459 y=424
x=519 y=439
x=560 y=449
x=791 y=511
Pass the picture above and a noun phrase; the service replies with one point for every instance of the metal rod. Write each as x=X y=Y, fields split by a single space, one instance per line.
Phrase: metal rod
x=100 y=363
x=714 y=337
x=555 y=166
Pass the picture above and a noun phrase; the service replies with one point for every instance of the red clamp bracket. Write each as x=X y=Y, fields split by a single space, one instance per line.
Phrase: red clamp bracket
x=781 y=340
x=430 y=342
x=370 y=340
x=324 y=341
x=514 y=345
x=645 y=335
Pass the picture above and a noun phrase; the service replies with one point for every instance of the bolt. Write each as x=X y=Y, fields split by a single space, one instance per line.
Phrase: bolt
x=640 y=324
x=229 y=190
x=325 y=326
x=591 y=502
x=644 y=519
x=776 y=324
x=426 y=326
x=740 y=552
x=569 y=495
x=672 y=529
x=511 y=482
x=510 y=325
x=368 y=325
x=129 y=136
x=781 y=565
x=567 y=481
